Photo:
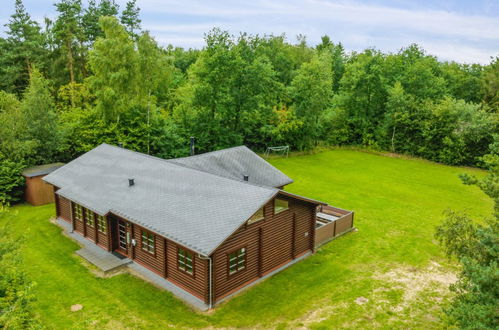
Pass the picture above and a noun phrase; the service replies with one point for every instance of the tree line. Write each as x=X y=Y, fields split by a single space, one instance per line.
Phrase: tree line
x=92 y=75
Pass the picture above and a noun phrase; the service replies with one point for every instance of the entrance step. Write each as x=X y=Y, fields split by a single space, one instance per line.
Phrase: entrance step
x=102 y=259
x=97 y=256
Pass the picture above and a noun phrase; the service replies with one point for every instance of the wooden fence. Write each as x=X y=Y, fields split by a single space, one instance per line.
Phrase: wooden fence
x=329 y=231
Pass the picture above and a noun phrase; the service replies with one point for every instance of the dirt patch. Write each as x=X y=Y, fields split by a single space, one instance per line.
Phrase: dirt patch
x=416 y=281
x=76 y=307
x=406 y=293
x=361 y=300
x=317 y=315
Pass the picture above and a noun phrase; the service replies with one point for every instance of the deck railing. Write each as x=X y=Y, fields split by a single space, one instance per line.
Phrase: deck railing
x=335 y=228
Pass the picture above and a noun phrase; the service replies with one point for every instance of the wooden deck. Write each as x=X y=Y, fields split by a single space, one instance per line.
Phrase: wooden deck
x=331 y=222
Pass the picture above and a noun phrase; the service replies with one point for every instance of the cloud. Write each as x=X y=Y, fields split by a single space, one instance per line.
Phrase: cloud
x=448 y=35
x=465 y=35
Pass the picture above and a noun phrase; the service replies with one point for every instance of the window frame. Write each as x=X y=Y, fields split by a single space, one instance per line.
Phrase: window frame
x=78 y=212
x=101 y=222
x=146 y=245
x=253 y=220
x=179 y=262
x=90 y=223
x=282 y=210
x=245 y=254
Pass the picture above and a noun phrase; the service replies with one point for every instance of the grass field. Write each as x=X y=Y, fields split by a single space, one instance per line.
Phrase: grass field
x=388 y=274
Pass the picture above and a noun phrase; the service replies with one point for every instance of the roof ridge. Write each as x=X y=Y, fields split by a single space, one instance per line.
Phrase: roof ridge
x=213 y=152
x=232 y=148
x=172 y=162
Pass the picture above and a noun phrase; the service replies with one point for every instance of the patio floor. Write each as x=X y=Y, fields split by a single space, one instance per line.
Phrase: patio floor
x=102 y=259
x=107 y=262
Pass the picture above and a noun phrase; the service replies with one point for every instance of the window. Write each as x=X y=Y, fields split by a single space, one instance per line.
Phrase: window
x=237 y=261
x=78 y=212
x=185 y=261
x=280 y=205
x=89 y=218
x=148 y=242
x=101 y=224
x=256 y=217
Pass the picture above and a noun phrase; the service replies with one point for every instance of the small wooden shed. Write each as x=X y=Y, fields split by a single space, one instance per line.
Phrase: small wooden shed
x=37 y=191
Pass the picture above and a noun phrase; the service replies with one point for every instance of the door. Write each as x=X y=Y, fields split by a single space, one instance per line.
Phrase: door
x=123 y=237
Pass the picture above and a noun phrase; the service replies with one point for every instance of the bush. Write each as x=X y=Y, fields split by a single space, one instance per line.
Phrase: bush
x=15 y=287
x=11 y=181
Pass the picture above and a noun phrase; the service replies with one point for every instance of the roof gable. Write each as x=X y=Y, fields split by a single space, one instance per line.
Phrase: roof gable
x=193 y=208
x=236 y=162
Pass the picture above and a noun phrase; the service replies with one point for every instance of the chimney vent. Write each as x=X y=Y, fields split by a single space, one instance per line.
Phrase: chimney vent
x=246 y=177
x=131 y=182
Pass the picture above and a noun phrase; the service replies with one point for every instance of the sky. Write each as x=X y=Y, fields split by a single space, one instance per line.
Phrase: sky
x=462 y=31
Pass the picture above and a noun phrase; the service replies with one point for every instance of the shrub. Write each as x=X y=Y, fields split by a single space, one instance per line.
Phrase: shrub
x=11 y=181
x=15 y=287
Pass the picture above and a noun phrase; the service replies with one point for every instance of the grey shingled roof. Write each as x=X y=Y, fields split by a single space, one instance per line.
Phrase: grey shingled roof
x=193 y=208
x=41 y=169
x=236 y=162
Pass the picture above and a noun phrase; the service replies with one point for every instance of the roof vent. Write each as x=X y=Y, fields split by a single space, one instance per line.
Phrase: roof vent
x=131 y=182
x=245 y=177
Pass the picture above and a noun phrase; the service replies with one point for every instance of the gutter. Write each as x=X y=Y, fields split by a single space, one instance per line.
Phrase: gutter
x=72 y=220
x=210 y=305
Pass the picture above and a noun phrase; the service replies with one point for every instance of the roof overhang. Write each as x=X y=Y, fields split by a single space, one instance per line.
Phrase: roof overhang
x=304 y=199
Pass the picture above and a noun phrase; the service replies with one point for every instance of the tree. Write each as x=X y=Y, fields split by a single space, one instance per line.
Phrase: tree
x=362 y=96
x=311 y=91
x=23 y=48
x=476 y=247
x=230 y=93
x=155 y=76
x=490 y=85
x=41 y=121
x=15 y=144
x=11 y=182
x=92 y=14
x=464 y=81
x=130 y=18
x=398 y=107
x=206 y=98
x=68 y=31
x=338 y=59
x=115 y=65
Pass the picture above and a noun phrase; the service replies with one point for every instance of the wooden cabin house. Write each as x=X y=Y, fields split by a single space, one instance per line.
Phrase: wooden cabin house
x=210 y=224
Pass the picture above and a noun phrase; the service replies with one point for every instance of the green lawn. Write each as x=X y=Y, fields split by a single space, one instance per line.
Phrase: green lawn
x=392 y=260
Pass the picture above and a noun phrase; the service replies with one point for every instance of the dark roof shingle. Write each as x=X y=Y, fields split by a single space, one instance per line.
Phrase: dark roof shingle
x=193 y=208
x=234 y=163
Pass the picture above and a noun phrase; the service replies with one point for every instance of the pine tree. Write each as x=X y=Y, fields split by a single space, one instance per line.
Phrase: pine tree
x=23 y=47
x=130 y=18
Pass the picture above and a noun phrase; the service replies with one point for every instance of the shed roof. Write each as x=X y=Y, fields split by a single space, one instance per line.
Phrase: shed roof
x=41 y=169
x=193 y=208
x=235 y=163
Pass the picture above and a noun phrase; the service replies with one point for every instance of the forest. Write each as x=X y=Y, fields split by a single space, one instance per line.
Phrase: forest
x=93 y=75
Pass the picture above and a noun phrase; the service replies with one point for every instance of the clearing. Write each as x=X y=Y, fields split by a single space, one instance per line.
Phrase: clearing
x=388 y=274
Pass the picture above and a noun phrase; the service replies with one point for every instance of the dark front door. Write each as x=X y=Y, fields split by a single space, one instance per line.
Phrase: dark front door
x=123 y=237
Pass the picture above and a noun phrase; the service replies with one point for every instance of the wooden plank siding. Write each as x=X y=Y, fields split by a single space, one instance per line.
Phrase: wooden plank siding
x=196 y=284
x=153 y=261
x=38 y=192
x=63 y=208
x=103 y=239
x=90 y=231
x=269 y=244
